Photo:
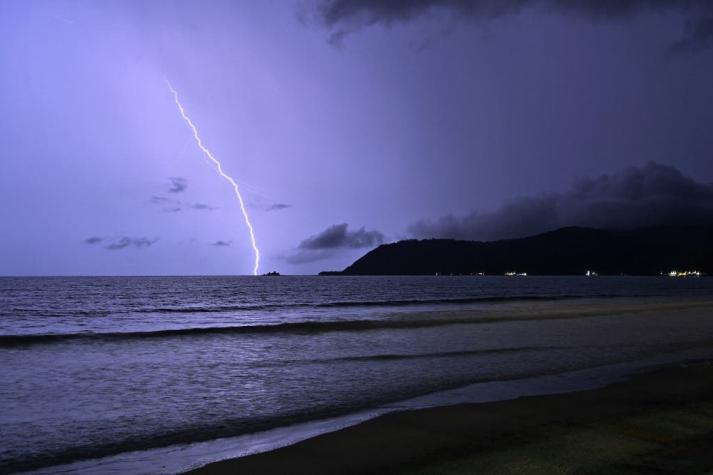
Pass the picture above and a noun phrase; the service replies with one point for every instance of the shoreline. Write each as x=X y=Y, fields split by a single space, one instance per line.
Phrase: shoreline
x=661 y=419
x=183 y=458
x=187 y=456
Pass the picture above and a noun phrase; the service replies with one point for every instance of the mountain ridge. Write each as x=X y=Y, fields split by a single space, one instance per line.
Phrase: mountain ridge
x=565 y=251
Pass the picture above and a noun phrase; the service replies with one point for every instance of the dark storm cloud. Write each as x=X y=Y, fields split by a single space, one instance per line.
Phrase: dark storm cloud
x=652 y=195
x=121 y=242
x=222 y=243
x=338 y=236
x=178 y=184
x=333 y=240
x=170 y=205
x=278 y=207
x=201 y=206
x=346 y=16
x=124 y=241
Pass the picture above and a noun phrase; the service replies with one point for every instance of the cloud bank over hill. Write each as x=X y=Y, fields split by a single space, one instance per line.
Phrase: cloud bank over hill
x=652 y=195
x=346 y=16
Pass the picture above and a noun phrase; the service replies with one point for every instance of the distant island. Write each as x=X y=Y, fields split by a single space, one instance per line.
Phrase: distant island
x=683 y=250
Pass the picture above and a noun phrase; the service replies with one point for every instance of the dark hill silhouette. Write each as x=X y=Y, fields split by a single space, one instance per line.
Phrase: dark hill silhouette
x=566 y=251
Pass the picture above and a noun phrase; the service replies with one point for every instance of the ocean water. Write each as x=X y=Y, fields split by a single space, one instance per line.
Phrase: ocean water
x=94 y=367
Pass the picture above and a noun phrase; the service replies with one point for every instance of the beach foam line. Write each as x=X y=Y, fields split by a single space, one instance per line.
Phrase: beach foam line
x=356 y=303
x=395 y=321
x=414 y=321
x=410 y=356
x=310 y=327
x=276 y=306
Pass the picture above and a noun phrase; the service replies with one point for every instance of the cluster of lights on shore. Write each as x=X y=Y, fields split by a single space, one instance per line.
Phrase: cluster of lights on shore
x=591 y=273
x=685 y=273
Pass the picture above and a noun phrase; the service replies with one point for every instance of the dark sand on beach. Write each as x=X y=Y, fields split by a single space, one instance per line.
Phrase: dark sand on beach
x=660 y=422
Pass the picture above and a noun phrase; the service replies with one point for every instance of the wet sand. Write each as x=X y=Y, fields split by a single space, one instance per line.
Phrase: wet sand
x=659 y=422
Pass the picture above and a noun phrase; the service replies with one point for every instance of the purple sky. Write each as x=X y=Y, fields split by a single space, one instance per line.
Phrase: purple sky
x=409 y=116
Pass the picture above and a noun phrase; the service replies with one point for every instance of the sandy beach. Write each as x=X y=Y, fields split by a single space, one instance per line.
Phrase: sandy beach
x=657 y=422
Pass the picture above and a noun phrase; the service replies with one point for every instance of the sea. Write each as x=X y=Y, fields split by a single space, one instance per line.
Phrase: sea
x=162 y=374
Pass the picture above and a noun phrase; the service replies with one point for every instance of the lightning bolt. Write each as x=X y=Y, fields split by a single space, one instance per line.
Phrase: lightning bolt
x=219 y=169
